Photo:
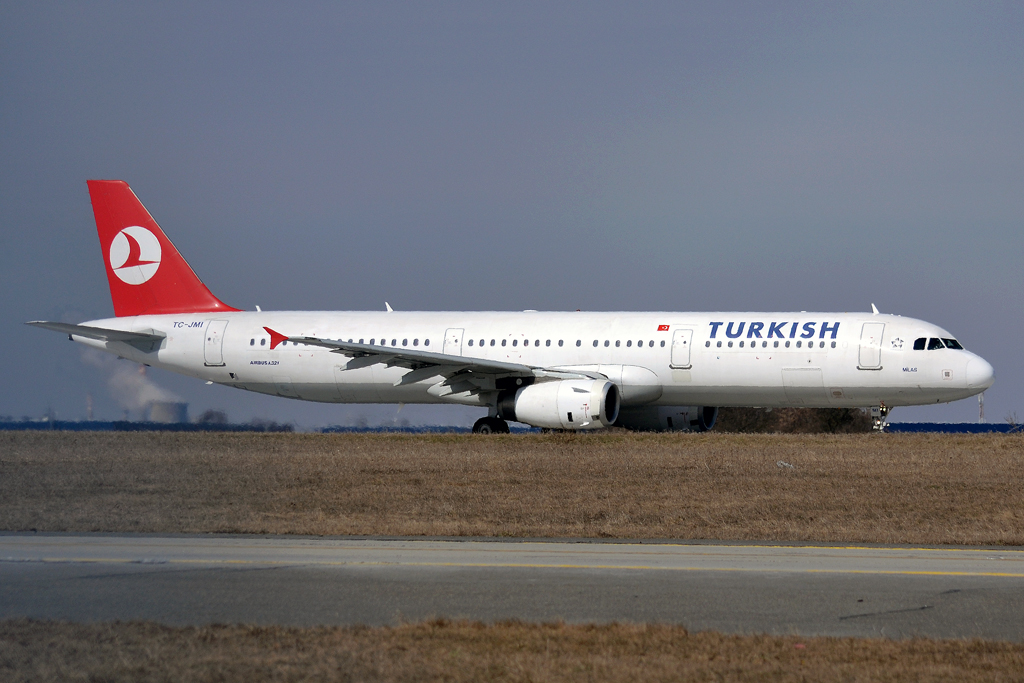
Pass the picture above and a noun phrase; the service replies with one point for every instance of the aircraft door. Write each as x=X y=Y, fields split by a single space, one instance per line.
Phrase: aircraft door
x=213 y=350
x=681 y=340
x=453 y=341
x=871 y=346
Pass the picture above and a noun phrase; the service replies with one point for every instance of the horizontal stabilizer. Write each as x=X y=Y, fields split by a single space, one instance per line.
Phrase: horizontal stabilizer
x=144 y=341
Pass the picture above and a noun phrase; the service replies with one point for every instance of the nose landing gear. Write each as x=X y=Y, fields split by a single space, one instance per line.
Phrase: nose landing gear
x=879 y=417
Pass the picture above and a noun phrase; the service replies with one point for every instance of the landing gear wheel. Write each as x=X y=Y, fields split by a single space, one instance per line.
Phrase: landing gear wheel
x=490 y=425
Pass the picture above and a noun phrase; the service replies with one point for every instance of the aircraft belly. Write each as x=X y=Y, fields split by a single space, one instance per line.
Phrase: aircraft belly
x=355 y=386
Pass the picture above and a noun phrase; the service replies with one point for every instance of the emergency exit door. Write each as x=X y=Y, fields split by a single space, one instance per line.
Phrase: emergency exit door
x=681 y=340
x=453 y=341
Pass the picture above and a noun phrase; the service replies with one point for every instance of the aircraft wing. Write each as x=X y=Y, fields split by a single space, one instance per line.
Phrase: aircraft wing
x=144 y=341
x=426 y=364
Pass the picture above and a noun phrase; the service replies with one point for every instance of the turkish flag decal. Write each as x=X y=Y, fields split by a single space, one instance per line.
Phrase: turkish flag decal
x=662 y=328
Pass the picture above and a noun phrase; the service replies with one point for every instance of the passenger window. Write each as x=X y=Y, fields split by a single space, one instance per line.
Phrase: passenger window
x=953 y=344
x=764 y=345
x=579 y=342
x=651 y=343
x=515 y=342
x=934 y=343
x=775 y=344
x=629 y=343
x=707 y=344
x=371 y=342
x=503 y=341
x=833 y=345
x=798 y=344
x=349 y=341
x=559 y=342
x=741 y=345
x=617 y=342
x=252 y=342
x=595 y=343
x=548 y=343
x=360 y=341
x=787 y=344
x=662 y=343
x=470 y=342
x=482 y=342
x=405 y=342
x=394 y=342
x=730 y=345
x=606 y=343
x=719 y=344
x=919 y=343
x=426 y=342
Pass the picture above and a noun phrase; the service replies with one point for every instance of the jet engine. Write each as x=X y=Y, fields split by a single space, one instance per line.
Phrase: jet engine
x=668 y=418
x=563 y=404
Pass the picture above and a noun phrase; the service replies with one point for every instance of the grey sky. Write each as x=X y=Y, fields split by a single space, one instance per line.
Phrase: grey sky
x=627 y=156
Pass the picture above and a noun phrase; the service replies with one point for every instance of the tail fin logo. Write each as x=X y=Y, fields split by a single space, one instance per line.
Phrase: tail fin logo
x=135 y=255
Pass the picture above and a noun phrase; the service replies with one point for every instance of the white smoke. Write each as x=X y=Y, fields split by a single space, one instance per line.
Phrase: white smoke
x=127 y=381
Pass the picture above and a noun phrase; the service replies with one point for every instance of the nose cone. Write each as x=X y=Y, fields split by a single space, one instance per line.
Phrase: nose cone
x=980 y=374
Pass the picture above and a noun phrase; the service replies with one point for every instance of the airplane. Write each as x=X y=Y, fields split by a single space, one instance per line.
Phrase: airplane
x=659 y=371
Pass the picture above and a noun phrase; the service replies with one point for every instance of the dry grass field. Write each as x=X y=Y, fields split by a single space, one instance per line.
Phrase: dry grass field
x=852 y=488
x=465 y=651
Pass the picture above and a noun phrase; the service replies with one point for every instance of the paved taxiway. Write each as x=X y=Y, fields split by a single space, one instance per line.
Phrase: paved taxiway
x=811 y=590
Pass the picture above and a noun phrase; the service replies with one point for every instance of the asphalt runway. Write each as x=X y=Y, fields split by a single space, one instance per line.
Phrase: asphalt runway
x=736 y=588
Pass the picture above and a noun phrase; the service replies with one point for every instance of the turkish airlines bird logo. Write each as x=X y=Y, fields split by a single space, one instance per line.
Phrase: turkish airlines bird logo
x=135 y=255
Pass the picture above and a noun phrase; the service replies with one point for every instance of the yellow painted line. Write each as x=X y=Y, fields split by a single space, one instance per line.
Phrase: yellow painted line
x=511 y=565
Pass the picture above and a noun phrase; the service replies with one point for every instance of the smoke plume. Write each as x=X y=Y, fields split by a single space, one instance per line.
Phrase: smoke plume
x=127 y=382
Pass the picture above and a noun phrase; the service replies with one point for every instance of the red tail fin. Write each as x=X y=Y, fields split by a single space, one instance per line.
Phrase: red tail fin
x=146 y=273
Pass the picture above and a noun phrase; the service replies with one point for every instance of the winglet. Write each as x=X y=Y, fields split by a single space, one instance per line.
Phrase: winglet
x=874 y=309
x=275 y=337
x=388 y=306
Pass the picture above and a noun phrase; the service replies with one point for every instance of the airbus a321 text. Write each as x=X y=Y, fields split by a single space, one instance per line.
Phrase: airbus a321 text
x=573 y=371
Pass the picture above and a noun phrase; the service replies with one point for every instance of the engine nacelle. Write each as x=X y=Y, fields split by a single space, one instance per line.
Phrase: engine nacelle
x=563 y=404
x=668 y=418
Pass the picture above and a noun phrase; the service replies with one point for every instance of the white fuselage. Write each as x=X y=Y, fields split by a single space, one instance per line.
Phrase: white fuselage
x=771 y=360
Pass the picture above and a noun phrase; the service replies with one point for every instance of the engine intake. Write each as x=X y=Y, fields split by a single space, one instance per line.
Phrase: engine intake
x=563 y=404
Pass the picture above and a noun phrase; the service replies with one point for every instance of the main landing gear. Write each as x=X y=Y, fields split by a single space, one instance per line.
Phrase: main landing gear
x=490 y=425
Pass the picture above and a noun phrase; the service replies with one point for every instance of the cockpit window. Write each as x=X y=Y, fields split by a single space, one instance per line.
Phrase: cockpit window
x=952 y=344
x=934 y=343
x=919 y=343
